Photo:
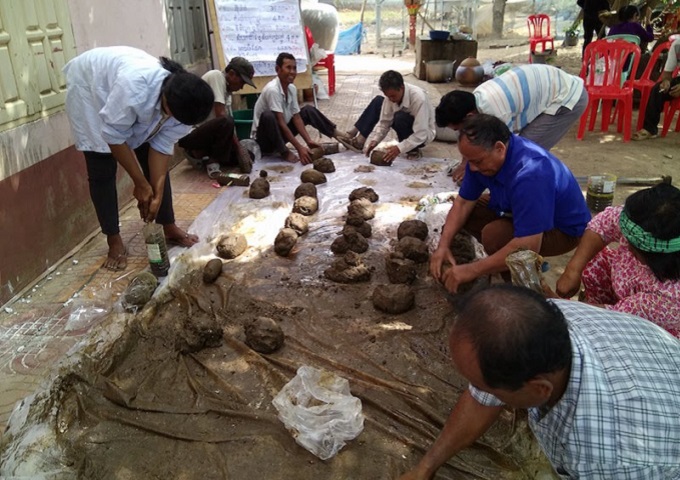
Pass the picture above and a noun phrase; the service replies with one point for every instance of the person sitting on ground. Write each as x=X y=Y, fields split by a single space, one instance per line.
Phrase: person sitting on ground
x=667 y=89
x=535 y=202
x=642 y=275
x=214 y=143
x=540 y=102
x=407 y=110
x=126 y=107
x=629 y=17
x=278 y=118
x=602 y=388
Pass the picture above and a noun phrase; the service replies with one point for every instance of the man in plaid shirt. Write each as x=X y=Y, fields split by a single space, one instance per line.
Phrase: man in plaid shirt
x=602 y=388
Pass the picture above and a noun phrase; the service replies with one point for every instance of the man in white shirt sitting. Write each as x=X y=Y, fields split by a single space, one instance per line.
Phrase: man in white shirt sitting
x=407 y=110
x=278 y=118
x=214 y=143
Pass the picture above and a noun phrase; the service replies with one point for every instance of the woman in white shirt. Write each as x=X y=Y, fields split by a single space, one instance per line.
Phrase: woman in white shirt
x=127 y=107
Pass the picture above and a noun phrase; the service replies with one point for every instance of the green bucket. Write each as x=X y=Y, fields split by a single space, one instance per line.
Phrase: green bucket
x=243 y=122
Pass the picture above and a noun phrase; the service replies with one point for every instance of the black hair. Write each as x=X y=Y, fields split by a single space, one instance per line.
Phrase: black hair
x=284 y=56
x=627 y=13
x=390 y=80
x=516 y=333
x=454 y=107
x=657 y=211
x=189 y=98
x=485 y=130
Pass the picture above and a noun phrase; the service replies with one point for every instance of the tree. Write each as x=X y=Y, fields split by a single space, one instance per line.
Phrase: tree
x=498 y=12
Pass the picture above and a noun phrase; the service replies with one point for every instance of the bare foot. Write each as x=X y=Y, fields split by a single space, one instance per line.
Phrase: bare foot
x=176 y=236
x=290 y=157
x=116 y=259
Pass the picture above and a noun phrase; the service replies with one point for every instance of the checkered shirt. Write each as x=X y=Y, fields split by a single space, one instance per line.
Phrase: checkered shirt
x=619 y=417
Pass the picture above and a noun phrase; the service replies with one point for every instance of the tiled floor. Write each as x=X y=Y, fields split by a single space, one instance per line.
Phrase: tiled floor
x=37 y=329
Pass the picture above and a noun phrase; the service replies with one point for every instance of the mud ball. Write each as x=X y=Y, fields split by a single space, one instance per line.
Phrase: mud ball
x=212 y=270
x=264 y=335
x=364 y=192
x=306 y=205
x=412 y=228
x=356 y=242
x=305 y=190
x=413 y=249
x=355 y=220
x=324 y=165
x=199 y=332
x=259 y=188
x=378 y=158
x=362 y=208
x=298 y=222
x=263 y=173
x=139 y=291
x=340 y=245
x=364 y=229
x=400 y=269
x=313 y=176
x=463 y=248
x=316 y=153
x=393 y=298
x=285 y=241
x=231 y=245
x=348 y=269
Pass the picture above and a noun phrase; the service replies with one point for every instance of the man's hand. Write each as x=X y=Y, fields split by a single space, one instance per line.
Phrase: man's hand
x=368 y=148
x=144 y=195
x=568 y=284
x=664 y=85
x=457 y=275
x=153 y=207
x=416 y=474
x=391 y=153
x=312 y=144
x=437 y=260
x=305 y=155
x=675 y=91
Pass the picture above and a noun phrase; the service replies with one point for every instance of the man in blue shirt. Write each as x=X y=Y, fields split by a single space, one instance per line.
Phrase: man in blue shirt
x=535 y=202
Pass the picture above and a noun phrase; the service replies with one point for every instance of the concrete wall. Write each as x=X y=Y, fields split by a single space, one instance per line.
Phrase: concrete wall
x=45 y=209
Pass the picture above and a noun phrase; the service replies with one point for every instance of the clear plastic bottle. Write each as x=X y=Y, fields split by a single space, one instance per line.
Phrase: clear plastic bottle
x=156 y=249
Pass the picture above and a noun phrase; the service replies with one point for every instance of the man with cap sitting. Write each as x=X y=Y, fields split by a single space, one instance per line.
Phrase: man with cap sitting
x=214 y=143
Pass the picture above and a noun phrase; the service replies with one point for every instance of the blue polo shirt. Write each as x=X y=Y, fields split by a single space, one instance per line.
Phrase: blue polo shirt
x=534 y=188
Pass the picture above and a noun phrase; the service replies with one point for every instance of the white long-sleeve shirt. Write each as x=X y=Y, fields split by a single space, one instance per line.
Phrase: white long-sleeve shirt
x=415 y=103
x=114 y=96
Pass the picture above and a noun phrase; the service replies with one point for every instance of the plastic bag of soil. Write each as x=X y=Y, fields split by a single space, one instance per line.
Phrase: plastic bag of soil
x=318 y=409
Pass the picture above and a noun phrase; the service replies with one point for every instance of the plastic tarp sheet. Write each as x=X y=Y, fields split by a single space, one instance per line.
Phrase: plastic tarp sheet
x=175 y=392
x=349 y=41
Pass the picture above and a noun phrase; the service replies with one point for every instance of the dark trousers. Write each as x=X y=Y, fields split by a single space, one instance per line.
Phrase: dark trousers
x=101 y=172
x=494 y=232
x=590 y=26
x=402 y=122
x=655 y=106
x=213 y=139
x=269 y=136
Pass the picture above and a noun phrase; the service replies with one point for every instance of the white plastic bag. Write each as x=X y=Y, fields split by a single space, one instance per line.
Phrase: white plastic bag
x=318 y=409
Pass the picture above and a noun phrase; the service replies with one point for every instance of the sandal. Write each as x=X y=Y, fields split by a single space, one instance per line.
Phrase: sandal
x=643 y=135
x=117 y=263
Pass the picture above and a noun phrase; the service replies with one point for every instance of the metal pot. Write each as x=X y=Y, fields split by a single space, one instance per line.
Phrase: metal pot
x=438 y=71
x=470 y=72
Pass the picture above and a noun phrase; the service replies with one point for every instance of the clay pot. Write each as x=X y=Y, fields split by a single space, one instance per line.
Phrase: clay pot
x=470 y=72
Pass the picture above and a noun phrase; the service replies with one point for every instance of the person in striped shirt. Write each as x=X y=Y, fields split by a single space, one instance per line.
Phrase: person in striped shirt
x=539 y=102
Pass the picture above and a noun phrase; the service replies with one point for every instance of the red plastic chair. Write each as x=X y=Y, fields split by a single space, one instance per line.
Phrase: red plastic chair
x=327 y=63
x=539 y=33
x=602 y=73
x=645 y=83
